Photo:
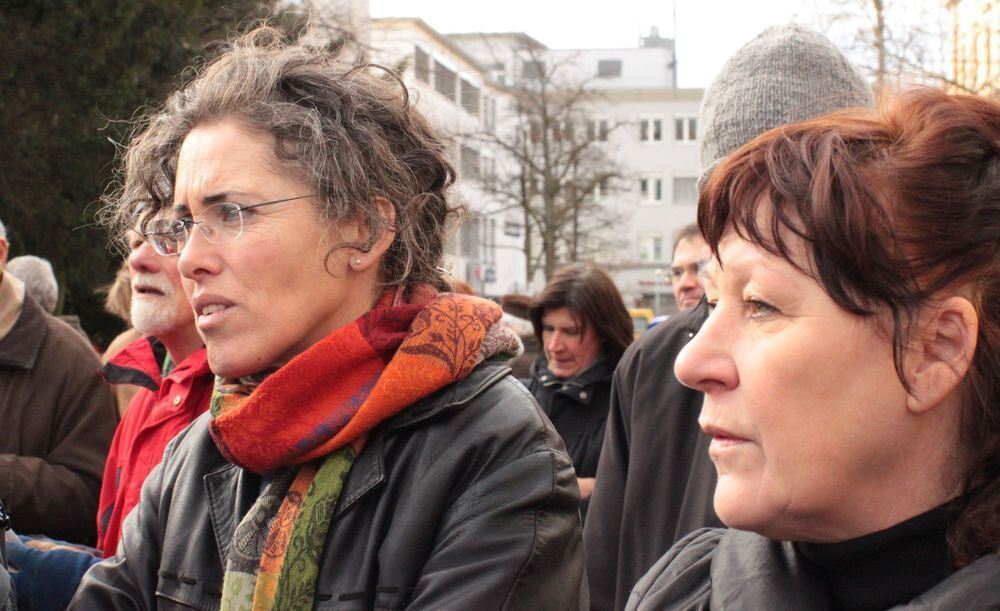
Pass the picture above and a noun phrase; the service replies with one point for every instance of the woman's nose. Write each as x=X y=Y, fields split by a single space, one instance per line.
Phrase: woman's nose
x=706 y=363
x=555 y=341
x=197 y=257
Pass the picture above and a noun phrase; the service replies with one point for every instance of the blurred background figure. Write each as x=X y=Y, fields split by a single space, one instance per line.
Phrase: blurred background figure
x=690 y=253
x=57 y=417
x=583 y=328
x=516 y=315
x=118 y=301
x=40 y=282
x=39 y=279
x=460 y=287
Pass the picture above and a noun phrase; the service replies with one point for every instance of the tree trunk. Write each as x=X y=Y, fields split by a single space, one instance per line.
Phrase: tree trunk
x=880 y=50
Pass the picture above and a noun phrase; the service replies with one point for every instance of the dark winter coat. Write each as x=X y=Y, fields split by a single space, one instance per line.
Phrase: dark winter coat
x=466 y=500
x=577 y=407
x=655 y=482
x=57 y=417
x=731 y=569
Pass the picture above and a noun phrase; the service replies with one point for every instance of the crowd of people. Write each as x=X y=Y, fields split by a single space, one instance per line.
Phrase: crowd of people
x=307 y=412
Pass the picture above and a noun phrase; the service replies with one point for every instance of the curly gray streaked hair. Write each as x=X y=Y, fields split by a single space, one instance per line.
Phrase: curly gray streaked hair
x=352 y=136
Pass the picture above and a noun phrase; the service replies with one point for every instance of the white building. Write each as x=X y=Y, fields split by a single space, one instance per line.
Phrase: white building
x=458 y=95
x=650 y=128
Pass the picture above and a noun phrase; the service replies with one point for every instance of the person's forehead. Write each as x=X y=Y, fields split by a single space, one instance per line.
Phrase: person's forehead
x=690 y=250
x=561 y=316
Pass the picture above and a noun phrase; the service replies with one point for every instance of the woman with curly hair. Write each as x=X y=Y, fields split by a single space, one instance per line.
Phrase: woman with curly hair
x=366 y=445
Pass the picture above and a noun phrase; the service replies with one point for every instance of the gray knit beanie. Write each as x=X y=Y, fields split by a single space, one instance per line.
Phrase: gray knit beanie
x=786 y=74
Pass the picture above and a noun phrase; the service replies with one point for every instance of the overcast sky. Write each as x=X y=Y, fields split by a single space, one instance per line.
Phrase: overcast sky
x=708 y=31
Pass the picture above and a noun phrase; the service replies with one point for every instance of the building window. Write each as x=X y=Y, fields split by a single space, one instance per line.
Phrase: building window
x=651 y=130
x=685 y=190
x=469 y=162
x=650 y=248
x=488 y=171
x=651 y=190
x=444 y=81
x=491 y=242
x=609 y=68
x=469 y=237
x=601 y=188
x=470 y=98
x=562 y=130
x=489 y=114
x=597 y=129
x=685 y=129
x=512 y=229
x=534 y=131
x=533 y=70
x=421 y=65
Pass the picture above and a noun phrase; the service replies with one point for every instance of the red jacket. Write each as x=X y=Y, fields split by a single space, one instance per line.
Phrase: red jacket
x=162 y=408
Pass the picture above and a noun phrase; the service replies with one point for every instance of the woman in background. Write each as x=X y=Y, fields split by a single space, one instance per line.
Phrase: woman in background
x=366 y=446
x=583 y=328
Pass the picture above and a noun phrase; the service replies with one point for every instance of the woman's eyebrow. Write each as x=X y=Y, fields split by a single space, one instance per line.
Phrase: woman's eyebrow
x=182 y=209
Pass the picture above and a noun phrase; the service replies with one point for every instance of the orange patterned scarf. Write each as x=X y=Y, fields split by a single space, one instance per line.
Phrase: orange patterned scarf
x=315 y=414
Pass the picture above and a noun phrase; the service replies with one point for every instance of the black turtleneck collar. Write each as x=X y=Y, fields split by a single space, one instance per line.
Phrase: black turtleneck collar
x=885 y=568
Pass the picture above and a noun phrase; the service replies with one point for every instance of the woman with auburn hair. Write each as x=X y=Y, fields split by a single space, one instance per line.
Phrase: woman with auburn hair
x=851 y=367
x=583 y=329
x=366 y=446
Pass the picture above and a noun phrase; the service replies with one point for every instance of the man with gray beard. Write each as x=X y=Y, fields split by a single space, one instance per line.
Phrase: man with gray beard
x=170 y=367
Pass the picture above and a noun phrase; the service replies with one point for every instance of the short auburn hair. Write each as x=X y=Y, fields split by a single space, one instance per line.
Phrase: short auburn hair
x=896 y=206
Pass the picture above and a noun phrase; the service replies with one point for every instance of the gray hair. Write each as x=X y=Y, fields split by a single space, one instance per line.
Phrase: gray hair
x=351 y=135
x=686 y=233
x=39 y=279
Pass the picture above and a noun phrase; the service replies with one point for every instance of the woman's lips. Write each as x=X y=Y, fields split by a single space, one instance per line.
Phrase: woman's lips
x=213 y=317
x=722 y=438
x=212 y=311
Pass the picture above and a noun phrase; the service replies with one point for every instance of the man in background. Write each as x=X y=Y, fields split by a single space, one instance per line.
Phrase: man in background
x=690 y=253
x=57 y=417
x=169 y=365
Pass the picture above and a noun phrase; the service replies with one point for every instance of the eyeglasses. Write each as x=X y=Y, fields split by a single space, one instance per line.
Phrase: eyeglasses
x=696 y=269
x=218 y=223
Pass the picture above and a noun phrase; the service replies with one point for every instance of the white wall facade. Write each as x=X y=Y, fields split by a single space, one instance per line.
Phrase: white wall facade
x=655 y=141
x=487 y=250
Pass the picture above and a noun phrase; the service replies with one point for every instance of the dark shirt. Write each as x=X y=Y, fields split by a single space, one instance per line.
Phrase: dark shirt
x=904 y=566
x=885 y=568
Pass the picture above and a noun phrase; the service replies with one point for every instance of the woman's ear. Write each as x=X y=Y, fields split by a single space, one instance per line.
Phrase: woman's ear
x=361 y=261
x=940 y=353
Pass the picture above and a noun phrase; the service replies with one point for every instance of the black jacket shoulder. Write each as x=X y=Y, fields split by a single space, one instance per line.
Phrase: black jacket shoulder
x=733 y=569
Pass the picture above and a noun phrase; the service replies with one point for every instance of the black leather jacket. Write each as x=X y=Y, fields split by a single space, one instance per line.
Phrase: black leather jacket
x=731 y=569
x=466 y=500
